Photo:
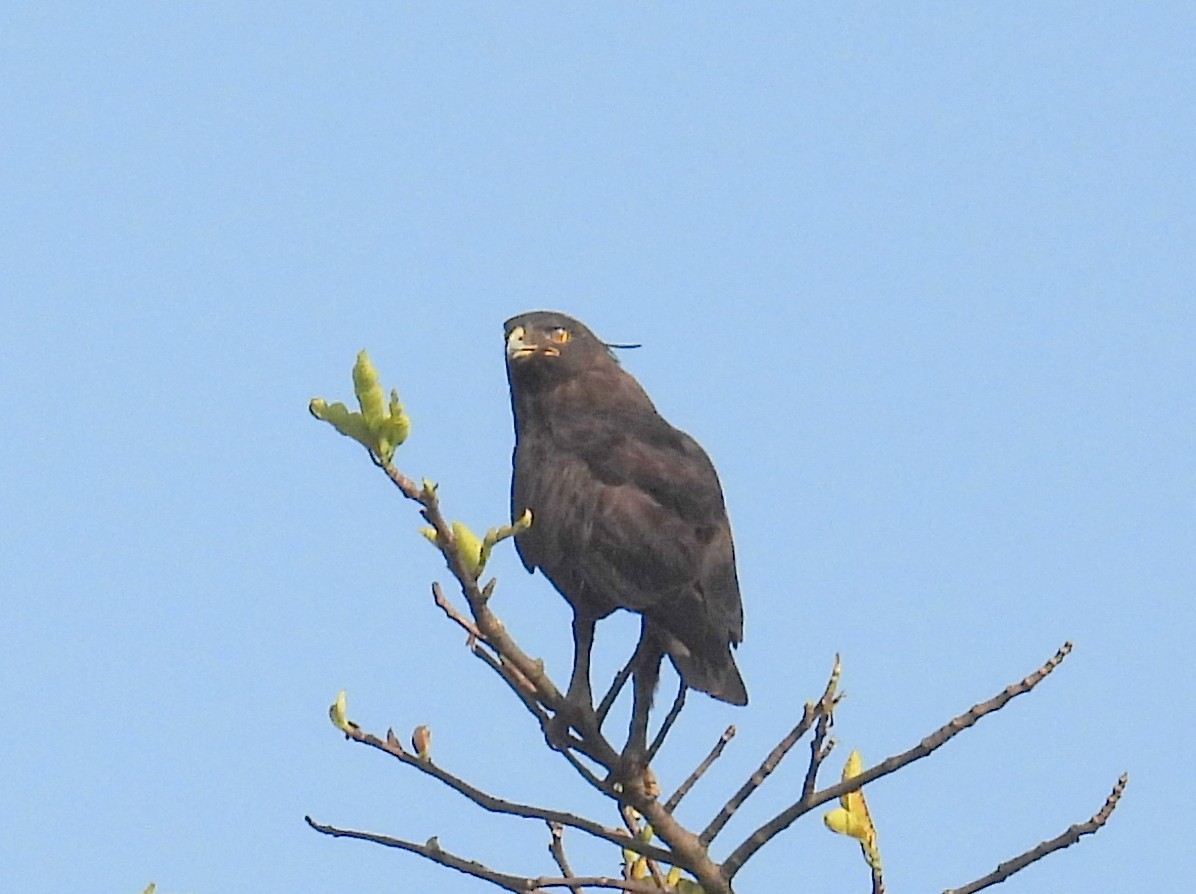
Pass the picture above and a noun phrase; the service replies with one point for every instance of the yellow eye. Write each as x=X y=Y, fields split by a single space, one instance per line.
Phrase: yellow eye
x=560 y=336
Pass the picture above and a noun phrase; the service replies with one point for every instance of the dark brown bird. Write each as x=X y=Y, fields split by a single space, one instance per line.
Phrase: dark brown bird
x=627 y=511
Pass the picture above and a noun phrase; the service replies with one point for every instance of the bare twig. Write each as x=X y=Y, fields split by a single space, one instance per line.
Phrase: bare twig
x=820 y=746
x=432 y=850
x=520 y=685
x=810 y=714
x=451 y=610
x=556 y=847
x=401 y=481
x=489 y=640
x=616 y=687
x=533 y=706
x=494 y=804
x=594 y=881
x=1068 y=838
x=757 y=779
x=585 y=773
x=927 y=746
x=522 y=688
x=669 y=720
x=488 y=629
x=715 y=752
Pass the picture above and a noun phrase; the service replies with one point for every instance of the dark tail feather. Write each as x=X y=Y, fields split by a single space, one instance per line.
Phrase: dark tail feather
x=722 y=681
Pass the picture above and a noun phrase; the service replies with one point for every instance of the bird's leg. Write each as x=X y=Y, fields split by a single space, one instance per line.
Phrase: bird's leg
x=579 y=696
x=578 y=710
x=648 y=655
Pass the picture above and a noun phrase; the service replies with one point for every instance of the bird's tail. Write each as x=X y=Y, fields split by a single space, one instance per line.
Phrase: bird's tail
x=719 y=680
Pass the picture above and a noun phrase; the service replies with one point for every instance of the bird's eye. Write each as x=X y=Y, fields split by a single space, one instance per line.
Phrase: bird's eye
x=560 y=336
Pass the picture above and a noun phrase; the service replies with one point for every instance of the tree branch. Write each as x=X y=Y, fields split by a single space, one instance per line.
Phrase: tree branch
x=488 y=629
x=494 y=804
x=451 y=610
x=820 y=746
x=812 y=711
x=556 y=847
x=1068 y=838
x=688 y=851
x=534 y=708
x=612 y=693
x=927 y=746
x=669 y=720
x=434 y=852
x=431 y=850
x=489 y=640
x=682 y=790
x=635 y=829
x=595 y=881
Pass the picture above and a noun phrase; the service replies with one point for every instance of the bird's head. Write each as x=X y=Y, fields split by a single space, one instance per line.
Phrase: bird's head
x=544 y=346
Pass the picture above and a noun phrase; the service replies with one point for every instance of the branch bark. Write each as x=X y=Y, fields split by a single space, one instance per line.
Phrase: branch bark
x=811 y=713
x=927 y=746
x=715 y=753
x=489 y=640
x=488 y=802
x=556 y=847
x=431 y=850
x=1067 y=839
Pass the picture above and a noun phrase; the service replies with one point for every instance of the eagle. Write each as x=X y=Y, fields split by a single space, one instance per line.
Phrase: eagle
x=627 y=512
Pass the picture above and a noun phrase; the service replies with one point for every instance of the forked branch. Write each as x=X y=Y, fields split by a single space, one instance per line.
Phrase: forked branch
x=431 y=850
x=495 y=804
x=927 y=746
x=556 y=847
x=489 y=640
x=1068 y=838
x=813 y=710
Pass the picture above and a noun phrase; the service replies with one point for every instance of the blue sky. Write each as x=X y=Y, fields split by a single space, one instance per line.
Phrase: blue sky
x=921 y=281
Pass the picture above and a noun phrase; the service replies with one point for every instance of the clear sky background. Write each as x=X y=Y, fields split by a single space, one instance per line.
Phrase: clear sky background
x=921 y=281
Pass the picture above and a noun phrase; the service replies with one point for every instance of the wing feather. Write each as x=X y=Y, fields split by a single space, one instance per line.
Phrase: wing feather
x=629 y=517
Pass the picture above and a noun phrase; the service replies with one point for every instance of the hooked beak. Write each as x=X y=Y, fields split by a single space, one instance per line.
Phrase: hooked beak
x=518 y=348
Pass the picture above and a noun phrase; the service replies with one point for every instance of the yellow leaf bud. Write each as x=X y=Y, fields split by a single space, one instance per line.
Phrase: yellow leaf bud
x=421 y=741
x=351 y=425
x=469 y=547
x=369 y=392
x=398 y=424
x=852 y=817
x=337 y=713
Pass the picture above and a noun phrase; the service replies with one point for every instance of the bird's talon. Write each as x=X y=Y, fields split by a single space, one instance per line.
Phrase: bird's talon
x=560 y=728
x=633 y=770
